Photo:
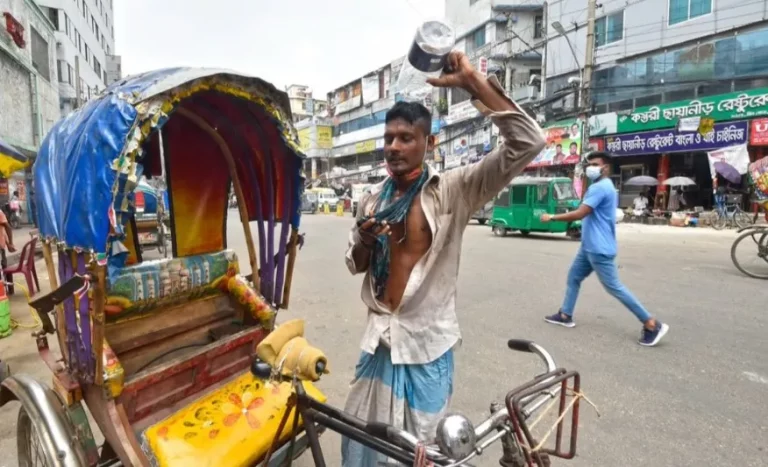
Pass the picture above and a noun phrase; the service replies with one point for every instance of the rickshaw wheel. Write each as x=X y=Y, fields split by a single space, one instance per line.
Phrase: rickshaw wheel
x=29 y=447
x=499 y=231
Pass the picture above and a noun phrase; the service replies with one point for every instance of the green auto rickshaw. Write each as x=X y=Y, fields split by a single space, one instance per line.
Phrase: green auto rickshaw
x=522 y=202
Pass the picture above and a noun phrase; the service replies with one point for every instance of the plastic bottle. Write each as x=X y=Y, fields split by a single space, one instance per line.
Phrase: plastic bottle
x=425 y=59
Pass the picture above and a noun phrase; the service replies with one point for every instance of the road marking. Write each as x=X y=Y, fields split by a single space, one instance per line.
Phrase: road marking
x=755 y=378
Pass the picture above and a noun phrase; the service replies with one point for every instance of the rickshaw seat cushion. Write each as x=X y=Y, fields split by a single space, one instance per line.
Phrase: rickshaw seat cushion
x=140 y=289
x=233 y=425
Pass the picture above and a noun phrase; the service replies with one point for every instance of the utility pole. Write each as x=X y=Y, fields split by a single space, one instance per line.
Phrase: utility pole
x=545 y=33
x=586 y=77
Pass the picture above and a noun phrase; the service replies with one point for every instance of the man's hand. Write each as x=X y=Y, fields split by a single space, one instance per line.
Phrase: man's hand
x=370 y=230
x=11 y=248
x=459 y=73
x=546 y=217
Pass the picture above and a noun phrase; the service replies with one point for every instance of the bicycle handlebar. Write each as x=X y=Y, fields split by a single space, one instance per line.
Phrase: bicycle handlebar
x=492 y=423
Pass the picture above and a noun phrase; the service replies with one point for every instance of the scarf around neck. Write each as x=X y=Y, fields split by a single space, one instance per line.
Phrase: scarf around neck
x=393 y=212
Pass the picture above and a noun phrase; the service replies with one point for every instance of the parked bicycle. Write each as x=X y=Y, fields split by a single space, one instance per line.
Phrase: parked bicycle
x=457 y=441
x=754 y=262
x=728 y=212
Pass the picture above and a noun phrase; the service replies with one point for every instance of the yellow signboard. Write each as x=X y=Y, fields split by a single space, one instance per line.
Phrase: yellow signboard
x=305 y=138
x=324 y=137
x=365 y=146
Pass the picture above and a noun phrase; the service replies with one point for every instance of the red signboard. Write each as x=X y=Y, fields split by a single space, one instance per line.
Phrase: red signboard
x=15 y=29
x=597 y=144
x=758 y=134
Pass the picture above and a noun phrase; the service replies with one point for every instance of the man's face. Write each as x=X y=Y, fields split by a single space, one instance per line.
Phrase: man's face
x=574 y=150
x=597 y=162
x=558 y=149
x=404 y=146
x=575 y=130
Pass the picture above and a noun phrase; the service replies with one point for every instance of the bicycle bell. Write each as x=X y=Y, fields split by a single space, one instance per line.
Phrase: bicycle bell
x=456 y=436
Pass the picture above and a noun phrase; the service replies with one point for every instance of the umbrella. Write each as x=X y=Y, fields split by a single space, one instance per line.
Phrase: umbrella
x=679 y=181
x=641 y=180
x=11 y=160
x=728 y=171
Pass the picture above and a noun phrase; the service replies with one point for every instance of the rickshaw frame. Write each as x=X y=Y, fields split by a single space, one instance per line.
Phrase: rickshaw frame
x=82 y=375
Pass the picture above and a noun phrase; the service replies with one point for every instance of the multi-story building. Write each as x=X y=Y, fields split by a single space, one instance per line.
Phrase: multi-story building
x=315 y=138
x=358 y=110
x=501 y=37
x=29 y=95
x=85 y=37
x=674 y=80
x=303 y=105
x=114 y=69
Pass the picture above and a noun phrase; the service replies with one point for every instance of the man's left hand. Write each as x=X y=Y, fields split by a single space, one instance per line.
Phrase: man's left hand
x=546 y=217
x=11 y=248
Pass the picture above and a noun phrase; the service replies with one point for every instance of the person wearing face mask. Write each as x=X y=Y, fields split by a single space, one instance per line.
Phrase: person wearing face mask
x=598 y=251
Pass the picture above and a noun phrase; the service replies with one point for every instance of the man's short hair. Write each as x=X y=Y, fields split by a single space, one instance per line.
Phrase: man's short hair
x=413 y=113
x=604 y=156
x=574 y=144
x=558 y=145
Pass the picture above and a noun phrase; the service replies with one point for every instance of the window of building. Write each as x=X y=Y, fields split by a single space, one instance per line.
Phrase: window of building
x=70 y=74
x=538 y=26
x=61 y=68
x=108 y=51
x=79 y=42
x=609 y=29
x=476 y=39
x=67 y=26
x=53 y=15
x=40 y=55
x=96 y=66
x=87 y=54
x=683 y=10
x=105 y=77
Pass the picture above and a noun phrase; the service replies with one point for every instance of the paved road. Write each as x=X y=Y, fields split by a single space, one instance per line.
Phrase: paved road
x=698 y=400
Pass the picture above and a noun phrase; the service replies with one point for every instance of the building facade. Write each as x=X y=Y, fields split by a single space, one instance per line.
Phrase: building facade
x=669 y=91
x=358 y=110
x=315 y=139
x=503 y=38
x=303 y=105
x=29 y=100
x=114 y=69
x=85 y=38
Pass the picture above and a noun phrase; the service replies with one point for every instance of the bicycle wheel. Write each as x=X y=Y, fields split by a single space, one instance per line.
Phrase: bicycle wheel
x=719 y=221
x=741 y=218
x=754 y=261
x=31 y=452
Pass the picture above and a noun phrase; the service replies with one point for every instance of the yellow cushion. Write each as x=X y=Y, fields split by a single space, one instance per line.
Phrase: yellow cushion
x=232 y=426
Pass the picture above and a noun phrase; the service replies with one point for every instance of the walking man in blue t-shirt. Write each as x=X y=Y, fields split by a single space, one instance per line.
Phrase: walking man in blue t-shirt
x=598 y=251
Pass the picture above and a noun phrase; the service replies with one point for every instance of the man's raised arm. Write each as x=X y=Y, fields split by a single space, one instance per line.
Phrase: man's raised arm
x=523 y=140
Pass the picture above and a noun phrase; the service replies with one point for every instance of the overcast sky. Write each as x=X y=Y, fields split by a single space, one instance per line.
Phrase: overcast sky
x=322 y=43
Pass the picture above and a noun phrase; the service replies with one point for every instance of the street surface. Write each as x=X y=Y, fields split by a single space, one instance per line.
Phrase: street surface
x=699 y=399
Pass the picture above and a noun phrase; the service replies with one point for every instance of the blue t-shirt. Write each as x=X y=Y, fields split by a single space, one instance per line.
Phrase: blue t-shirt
x=598 y=230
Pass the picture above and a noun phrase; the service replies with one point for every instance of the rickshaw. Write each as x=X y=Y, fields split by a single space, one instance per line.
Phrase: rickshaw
x=522 y=202
x=160 y=351
x=754 y=263
x=151 y=218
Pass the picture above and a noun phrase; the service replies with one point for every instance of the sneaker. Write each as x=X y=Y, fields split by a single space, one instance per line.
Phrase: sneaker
x=649 y=338
x=561 y=319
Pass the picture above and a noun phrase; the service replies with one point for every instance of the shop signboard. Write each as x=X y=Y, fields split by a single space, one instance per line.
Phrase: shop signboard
x=462 y=111
x=305 y=138
x=758 y=133
x=667 y=141
x=324 y=137
x=735 y=156
x=563 y=144
x=720 y=108
x=365 y=146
